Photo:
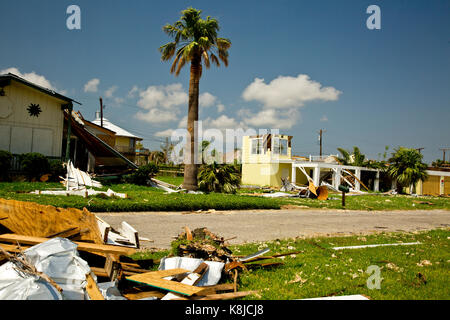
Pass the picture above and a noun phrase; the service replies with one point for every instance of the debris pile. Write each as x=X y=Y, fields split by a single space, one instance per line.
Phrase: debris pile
x=50 y=253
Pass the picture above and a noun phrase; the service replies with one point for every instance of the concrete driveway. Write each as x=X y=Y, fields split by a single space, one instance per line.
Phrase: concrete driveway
x=264 y=225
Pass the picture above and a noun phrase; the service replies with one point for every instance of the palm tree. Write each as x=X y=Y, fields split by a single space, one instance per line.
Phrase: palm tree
x=205 y=146
x=219 y=178
x=194 y=40
x=157 y=157
x=406 y=167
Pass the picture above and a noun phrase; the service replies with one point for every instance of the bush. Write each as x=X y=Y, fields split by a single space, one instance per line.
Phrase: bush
x=219 y=178
x=5 y=164
x=57 y=169
x=142 y=175
x=34 y=165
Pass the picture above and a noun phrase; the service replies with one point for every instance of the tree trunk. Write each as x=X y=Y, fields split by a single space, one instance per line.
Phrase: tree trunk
x=191 y=154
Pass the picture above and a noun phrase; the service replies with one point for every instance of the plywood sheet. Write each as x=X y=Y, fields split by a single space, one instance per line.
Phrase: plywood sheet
x=32 y=219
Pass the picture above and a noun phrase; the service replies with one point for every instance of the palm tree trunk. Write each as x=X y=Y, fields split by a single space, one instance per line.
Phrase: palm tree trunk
x=190 y=164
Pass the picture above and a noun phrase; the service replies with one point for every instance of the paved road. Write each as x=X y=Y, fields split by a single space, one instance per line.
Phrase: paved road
x=264 y=225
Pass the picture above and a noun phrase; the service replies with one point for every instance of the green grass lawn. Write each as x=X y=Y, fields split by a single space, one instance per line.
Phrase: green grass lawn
x=142 y=198
x=407 y=272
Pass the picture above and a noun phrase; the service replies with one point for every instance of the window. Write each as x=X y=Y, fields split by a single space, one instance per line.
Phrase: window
x=280 y=146
x=257 y=146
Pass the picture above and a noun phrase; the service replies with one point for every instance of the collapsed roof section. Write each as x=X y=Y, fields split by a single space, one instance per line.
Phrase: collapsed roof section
x=104 y=154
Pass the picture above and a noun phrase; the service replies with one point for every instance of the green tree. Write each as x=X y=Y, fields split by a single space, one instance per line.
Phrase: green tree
x=219 y=178
x=406 y=167
x=195 y=41
x=356 y=158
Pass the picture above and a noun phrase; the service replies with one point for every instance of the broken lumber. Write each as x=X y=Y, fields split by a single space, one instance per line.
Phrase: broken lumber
x=32 y=219
x=224 y=296
x=155 y=279
x=191 y=279
x=92 y=289
x=83 y=246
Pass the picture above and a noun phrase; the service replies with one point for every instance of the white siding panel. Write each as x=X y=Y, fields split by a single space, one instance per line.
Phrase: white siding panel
x=43 y=141
x=21 y=140
x=5 y=137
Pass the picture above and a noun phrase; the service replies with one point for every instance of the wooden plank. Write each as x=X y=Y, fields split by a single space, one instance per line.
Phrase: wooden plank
x=154 y=279
x=83 y=246
x=68 y=233
x=208 y=290
x=32 y=219
x=99 y=272
x=168 y=285
x=138 y=293
x=224 y=296
x=161 y=274
x=191 y=279
x=92 y=289
x=13 y=247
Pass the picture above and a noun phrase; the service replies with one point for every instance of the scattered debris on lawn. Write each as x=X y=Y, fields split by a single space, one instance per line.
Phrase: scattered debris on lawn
x=376 y=245
x=76 y=183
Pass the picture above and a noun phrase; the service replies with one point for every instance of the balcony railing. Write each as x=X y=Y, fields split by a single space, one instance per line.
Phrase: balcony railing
x=125 y=149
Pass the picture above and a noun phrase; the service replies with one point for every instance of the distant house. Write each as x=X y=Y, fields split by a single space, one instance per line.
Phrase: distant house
x=267 y=159
x=437 y=183
x=31 y=117
x=124 y=141
x=93 y=147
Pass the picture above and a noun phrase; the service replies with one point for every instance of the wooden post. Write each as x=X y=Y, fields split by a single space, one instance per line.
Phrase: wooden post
x=343 y=199
x=101 y=112
x=69 y=130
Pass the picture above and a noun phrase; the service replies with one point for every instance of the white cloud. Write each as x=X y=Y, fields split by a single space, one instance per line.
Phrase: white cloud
x=92 y=85
x=32 y=77
x=324 y=119
x=162 y=103
x=272 y=118
x=110 y=92
x=288 y=92
x=156 y=116
x=207 y=99
x=163 y=96
x=132 y=93
x=220 y=108
x=222 y=122
x=183 y=122
x=165 y=133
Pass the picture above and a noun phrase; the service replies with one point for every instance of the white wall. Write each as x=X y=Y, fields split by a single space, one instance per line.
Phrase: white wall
x=22 y=133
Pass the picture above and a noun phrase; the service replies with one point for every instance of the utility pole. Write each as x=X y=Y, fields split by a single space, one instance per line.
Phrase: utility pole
x=101 y=112
x=420 y=149
x=320 y=141
x=443 y=151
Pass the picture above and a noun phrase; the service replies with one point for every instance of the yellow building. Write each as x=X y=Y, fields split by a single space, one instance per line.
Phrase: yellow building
x=438 y=183
x=267 y=159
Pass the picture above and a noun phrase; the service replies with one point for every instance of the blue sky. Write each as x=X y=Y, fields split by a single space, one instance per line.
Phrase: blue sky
x=370 y=88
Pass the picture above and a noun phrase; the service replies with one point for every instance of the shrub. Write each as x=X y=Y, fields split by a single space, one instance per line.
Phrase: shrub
x=34 y=165
x=5 y=164
x=219 y=178
x=143 y=174
x=57 y=169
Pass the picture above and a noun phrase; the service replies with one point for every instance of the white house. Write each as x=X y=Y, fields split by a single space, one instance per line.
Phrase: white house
x=31 y=117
